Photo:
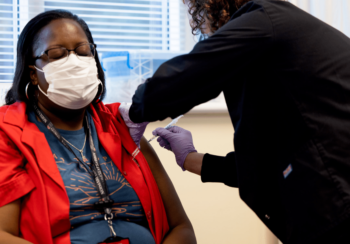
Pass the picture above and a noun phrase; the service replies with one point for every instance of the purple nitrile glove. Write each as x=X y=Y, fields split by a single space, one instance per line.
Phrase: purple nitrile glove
x=178 y=140
x=136 y=130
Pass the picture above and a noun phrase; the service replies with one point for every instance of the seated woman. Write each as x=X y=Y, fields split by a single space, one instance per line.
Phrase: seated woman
x=70 y=171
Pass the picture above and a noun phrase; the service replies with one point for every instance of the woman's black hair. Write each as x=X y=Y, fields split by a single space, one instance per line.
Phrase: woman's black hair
x=27 y=41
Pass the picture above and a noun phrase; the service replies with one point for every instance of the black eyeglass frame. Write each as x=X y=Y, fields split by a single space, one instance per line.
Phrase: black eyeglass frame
x=69 y=50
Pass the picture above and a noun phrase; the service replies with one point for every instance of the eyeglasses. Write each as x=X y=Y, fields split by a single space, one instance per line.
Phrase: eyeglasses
x=59 y=53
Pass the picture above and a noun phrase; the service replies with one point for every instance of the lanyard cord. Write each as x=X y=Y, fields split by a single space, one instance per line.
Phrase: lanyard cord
x=105 y=203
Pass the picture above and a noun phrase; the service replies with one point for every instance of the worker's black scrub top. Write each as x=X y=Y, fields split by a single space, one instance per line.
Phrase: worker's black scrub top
x=286 y=80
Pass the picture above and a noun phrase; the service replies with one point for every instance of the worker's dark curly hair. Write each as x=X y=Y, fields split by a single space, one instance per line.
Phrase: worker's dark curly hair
x=216 y=12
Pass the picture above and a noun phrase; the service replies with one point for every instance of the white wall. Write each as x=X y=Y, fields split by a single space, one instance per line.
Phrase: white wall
x=333 y=12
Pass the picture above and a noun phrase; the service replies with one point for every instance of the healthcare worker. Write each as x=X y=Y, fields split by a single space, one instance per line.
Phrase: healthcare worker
x=286 y=79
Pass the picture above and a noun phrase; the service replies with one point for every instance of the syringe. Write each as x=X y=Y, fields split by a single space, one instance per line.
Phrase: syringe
x=173 y=122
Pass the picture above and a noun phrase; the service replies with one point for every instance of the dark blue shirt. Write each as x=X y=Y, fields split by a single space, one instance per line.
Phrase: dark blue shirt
x=87 y=224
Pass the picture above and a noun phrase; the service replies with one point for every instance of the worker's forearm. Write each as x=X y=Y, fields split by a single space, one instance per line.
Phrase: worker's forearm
x=7 y=238
x=193 y=162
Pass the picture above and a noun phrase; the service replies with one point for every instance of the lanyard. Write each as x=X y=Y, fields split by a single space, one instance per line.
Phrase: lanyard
x=105 y=203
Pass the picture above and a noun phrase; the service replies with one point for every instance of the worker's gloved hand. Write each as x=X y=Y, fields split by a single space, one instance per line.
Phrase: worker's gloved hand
x=136 y=129
x=177 y=140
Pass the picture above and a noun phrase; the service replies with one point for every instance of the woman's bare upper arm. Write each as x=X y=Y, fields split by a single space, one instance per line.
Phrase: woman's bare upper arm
x=9 y=217
x=173 y=207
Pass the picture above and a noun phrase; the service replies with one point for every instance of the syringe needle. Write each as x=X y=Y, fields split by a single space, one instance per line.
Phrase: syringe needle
x=154 y=137
x=173 y=122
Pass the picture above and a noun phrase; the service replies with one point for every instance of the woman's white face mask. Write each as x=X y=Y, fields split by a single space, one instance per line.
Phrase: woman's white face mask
x=73 y=82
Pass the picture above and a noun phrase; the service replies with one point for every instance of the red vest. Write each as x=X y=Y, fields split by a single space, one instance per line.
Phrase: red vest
x=28 y=171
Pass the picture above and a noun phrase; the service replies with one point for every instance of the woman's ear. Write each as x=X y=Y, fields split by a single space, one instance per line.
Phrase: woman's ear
x=33 y=75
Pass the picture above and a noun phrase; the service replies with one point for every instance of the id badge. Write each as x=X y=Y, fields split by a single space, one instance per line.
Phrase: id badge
x=115 y=240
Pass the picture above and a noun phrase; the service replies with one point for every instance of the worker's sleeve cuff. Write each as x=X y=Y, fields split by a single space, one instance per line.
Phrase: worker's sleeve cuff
x=220 y=169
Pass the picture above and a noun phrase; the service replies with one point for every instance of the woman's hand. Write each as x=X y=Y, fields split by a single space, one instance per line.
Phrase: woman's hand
x=177 y=140
x=136 y=130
